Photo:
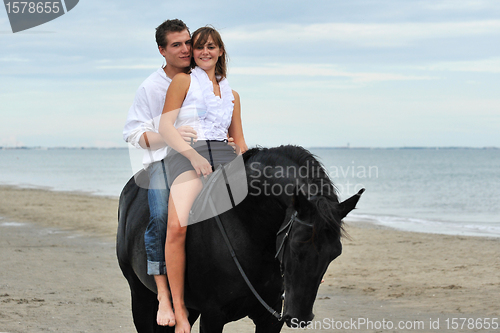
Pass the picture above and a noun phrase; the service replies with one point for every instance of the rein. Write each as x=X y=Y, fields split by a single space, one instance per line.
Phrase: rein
x=288 y=226
x=242 y=272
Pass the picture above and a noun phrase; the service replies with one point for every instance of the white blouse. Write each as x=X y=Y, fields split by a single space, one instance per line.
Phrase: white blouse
x=208 y=114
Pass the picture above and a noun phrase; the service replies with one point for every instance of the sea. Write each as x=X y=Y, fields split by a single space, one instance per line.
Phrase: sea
x=433 y=190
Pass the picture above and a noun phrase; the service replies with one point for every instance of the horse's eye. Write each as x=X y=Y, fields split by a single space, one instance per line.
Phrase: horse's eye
x=302 y=237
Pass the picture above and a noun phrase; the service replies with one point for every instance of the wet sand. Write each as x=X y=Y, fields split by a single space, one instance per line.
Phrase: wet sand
x=58 y=272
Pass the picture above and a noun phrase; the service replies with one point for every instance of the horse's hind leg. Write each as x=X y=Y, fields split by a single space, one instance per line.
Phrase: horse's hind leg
x=144 y=304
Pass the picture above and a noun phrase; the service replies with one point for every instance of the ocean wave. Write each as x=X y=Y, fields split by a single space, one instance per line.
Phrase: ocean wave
x=485 y=229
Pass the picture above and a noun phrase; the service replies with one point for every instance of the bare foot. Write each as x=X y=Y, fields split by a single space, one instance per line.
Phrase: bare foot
x=181 y=321
x=165 y=315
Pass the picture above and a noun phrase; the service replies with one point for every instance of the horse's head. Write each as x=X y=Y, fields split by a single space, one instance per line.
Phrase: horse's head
x=308 y=240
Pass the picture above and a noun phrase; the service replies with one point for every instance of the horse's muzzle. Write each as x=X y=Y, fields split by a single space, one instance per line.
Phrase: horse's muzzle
x=298 y=321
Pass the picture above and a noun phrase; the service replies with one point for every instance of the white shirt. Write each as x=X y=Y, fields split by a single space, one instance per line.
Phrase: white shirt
x=145 y=112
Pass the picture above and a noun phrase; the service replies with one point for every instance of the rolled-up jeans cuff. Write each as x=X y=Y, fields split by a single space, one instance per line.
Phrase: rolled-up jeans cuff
x=157 y=268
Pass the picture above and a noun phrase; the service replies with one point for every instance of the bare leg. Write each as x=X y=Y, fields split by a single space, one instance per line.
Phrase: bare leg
x=165 y=315
x=183 y=192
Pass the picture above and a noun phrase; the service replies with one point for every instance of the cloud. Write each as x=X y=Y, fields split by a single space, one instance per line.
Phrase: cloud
x=322 y=70
x=142 y=66
x=10 y=141
x=363 y=34
x=130 y=63
x=13 y=59
x=490 y=65
x=463 y=5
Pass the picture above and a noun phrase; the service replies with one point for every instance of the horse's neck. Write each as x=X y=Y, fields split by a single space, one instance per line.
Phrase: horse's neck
x=264 y=213
x=276 y=178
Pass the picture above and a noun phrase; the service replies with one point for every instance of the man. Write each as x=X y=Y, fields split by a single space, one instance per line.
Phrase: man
x=141 y=130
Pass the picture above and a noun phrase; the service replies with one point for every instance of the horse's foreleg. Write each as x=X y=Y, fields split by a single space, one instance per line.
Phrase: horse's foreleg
x=193 y=316
x=265 y=322
x=269 y=325
x=211 y=324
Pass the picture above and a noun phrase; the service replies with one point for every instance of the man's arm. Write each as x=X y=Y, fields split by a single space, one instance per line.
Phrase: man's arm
x=139 y=120
x=140 y=130
x=151 y=140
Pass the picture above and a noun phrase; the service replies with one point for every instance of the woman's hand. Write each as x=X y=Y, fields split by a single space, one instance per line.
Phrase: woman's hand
x=201 y=165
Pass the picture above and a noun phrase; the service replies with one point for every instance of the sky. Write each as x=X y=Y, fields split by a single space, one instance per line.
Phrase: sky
x=316 y=73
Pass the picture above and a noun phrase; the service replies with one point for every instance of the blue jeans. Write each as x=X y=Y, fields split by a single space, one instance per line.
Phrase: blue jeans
x=156 y=232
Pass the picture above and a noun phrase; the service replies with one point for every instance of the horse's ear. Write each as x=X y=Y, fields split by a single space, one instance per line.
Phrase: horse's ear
x=349 y=204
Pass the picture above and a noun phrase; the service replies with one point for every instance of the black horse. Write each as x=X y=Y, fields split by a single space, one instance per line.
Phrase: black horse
x=284 y=233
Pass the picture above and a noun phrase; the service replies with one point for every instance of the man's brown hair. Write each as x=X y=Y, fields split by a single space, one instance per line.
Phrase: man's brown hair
x=163 y=29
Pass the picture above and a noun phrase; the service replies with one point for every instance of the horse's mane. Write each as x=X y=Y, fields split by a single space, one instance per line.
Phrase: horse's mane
x=326 y=202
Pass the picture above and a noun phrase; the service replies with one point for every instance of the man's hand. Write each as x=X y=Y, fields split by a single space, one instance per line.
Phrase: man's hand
x=188 y=134
x=230 y=141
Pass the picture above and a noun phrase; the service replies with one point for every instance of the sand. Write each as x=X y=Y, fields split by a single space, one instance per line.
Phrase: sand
x=58 y=272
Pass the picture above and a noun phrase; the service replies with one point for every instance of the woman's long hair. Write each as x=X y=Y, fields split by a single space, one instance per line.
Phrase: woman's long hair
x=199 y=39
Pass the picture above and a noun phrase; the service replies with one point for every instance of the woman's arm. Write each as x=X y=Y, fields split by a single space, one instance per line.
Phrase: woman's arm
x=236 y=129
x=154 y=141
x=176 y=94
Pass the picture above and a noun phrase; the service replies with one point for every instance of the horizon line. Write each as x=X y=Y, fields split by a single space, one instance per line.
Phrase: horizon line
x=310 y=147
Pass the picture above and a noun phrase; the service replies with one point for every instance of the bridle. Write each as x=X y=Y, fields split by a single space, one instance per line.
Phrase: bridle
x=280 y=253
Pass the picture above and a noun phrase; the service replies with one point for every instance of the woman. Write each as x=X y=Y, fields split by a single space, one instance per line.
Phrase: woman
x=203 y=100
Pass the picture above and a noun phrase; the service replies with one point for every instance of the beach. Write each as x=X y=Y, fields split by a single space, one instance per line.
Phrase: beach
x=58 y=272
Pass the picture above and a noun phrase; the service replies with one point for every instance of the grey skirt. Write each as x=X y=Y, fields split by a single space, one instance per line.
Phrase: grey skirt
x=216 y=152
